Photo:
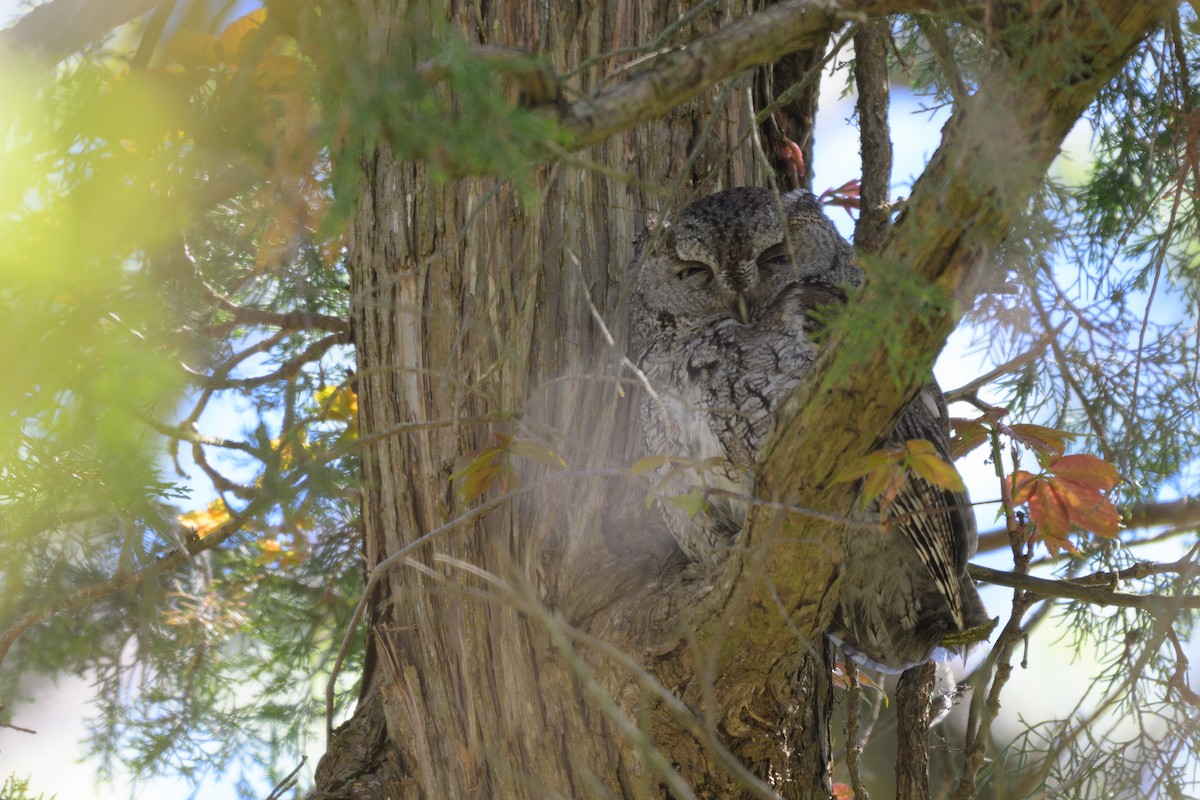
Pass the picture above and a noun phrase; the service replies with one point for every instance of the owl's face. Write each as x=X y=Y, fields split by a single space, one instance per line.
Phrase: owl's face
x=748 y=256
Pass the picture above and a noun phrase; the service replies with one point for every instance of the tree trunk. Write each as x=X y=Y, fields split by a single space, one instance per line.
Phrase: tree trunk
x=471 y=314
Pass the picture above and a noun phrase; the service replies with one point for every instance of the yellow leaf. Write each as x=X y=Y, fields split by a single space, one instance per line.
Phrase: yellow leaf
x=923 y=459
x=203 y=522
x=337 y=403
x=883 y=485
x=191 y=49
x=870 y=463
x=535 y=451
x=233 y=41
x=279 y=73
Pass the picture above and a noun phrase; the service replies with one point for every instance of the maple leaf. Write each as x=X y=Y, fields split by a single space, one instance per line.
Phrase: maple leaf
x=1068 y=496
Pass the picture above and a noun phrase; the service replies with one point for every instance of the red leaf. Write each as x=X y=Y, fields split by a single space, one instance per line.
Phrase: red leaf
x=1049 y=441
x=1049 y=512
x=1086 y=470
x=968 y=434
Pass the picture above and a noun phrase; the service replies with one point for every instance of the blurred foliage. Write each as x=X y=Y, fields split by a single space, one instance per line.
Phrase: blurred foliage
x=176 y=360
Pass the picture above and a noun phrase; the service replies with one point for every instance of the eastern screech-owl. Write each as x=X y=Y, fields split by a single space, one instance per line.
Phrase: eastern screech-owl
x=722 y=310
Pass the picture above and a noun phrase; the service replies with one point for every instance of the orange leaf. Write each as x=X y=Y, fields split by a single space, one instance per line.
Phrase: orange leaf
x=1050 y=513
x=233 y=40
x=968 y=434
x=1089 y=509
x=1023 y=485
x=1085 y=470
x=843 y=791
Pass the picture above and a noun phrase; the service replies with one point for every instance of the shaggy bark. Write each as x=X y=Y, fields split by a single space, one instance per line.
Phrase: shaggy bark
x=558 y=646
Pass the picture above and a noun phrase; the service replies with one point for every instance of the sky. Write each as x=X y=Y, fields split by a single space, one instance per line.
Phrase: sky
x=52 y=758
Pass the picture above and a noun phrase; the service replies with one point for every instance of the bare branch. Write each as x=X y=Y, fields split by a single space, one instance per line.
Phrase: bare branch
x=677 y=76
x=286 y=321
x=874 y=94
x=1071 y=590
x=289 y=368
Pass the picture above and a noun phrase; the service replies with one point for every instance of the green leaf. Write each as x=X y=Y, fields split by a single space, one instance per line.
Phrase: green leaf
x=649 y=464
x=691 y=503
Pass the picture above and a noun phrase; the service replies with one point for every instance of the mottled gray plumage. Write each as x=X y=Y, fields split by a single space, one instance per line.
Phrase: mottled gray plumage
x=721 y=314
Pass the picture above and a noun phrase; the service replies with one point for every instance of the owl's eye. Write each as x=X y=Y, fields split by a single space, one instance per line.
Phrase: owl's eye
x=692 y=271
x=776 y=256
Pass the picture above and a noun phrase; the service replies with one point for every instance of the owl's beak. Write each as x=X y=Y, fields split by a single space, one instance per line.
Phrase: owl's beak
x=743 y=309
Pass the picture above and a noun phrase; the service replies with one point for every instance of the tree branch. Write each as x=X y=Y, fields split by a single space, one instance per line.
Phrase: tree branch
x=289 y=368
x=85 y=596
x=994 y=153
x=968 y=390
x=679 y=75
x=285 y=321
x=874 y=94
x=55 y=30
x=1071 y=590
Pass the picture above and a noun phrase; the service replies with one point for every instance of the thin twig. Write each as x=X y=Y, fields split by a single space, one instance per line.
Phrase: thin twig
x=969 y=390
x=288 y=782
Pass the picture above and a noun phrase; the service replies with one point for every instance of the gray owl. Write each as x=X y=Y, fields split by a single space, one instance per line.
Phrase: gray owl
x=722 y=311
